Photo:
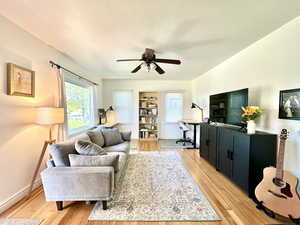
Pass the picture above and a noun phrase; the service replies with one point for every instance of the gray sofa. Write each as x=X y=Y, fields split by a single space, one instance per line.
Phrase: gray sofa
x=62 y=182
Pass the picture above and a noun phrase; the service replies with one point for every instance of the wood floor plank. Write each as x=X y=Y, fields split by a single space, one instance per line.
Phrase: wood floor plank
x=231 y=203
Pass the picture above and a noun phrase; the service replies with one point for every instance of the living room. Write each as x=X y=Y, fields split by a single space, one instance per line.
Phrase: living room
x=247 y=52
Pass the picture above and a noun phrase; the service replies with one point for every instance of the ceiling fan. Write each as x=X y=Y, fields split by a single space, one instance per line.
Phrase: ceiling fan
x=149 y=59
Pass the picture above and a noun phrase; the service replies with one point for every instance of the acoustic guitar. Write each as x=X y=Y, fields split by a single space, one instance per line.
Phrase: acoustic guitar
x=278 y=189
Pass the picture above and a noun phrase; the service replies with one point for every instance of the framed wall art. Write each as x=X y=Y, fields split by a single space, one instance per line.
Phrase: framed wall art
x=289 y=104
x=20 y=81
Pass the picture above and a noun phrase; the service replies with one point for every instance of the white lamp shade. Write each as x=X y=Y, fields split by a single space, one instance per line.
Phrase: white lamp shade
x=50 y=115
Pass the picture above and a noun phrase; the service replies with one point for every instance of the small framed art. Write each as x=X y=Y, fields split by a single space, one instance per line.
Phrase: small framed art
x=20 y=81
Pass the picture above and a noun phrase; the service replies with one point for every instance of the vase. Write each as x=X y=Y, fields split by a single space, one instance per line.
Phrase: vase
x=251 y=127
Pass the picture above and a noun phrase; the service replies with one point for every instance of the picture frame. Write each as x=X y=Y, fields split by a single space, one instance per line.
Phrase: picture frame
x=289 y=104
x=20 y=81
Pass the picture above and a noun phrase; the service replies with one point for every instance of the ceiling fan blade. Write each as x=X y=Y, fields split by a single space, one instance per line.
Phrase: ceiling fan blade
x=171 y=61
x=158 y=69
x=137 y=68
x=127 y=60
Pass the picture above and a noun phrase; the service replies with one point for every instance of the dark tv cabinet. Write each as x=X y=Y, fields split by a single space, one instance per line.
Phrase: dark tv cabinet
x=239 y=156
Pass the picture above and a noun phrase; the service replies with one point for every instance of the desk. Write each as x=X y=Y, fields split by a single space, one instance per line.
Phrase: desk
x=195 y=123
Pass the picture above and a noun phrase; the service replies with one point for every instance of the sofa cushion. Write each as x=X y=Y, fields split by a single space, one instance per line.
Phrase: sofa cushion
x=96 y=137
x=123 y=147
x=122 y=158
x=94 y=161
x=112 y=136
x=88 y=148
x=126 y=135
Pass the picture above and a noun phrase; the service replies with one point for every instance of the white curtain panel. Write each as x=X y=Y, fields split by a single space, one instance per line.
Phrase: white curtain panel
x=61 y=102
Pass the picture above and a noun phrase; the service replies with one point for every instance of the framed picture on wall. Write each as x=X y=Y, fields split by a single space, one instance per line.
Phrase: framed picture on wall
x=20 y=81
x=289 y=104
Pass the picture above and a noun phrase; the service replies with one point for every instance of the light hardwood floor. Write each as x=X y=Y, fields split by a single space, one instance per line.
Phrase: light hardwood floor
x=232 y=205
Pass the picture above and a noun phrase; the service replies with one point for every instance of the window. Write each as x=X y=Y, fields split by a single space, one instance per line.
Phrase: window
x=79 y=106
x=123 y=104
x=174 y=107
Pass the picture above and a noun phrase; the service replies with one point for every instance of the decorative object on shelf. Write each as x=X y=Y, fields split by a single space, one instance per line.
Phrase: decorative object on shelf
x=20 y=81
x=289 y=104
x=250 y=114
x=277 y=192
x=194 y=105
x=102 y=114
x=46 y=116
x=251 y=127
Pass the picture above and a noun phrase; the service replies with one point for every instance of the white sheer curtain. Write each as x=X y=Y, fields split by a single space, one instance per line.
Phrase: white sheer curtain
x=61 y=131
x=174 y=107
x=123 y=105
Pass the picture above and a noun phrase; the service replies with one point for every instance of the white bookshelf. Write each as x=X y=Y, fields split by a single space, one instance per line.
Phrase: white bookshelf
x=148 y=115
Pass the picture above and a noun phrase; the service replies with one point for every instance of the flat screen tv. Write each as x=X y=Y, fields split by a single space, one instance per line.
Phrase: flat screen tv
x=226 y=107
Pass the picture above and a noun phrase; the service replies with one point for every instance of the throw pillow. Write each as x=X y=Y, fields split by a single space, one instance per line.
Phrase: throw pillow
x=112 y=136
x=96 y=137
x=126 y=135
x=60 y=152
x=94 y=161
x=88 y=148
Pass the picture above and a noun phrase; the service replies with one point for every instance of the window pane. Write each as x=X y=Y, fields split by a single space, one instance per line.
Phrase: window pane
x=78 y=101
x=174 y=104
x=122 y=101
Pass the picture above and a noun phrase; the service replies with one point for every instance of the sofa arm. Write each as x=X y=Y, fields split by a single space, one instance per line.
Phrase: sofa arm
x=78 y=183
x=126 y=135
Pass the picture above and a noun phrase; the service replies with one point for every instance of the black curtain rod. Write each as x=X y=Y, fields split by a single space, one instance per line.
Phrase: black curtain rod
x=61 y=67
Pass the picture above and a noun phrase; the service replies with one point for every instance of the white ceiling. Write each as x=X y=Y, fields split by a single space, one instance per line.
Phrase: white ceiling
x=201 y=33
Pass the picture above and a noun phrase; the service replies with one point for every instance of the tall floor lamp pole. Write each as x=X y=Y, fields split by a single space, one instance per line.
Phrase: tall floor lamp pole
x=46 y=116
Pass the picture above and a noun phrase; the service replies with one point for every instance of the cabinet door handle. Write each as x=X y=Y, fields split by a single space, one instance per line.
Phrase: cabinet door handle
x=207 y=142
x=231 y=155
x=228 y=154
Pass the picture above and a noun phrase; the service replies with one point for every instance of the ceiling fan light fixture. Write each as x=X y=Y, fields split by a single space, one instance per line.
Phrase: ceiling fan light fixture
x=149 y=61
x=153 y=66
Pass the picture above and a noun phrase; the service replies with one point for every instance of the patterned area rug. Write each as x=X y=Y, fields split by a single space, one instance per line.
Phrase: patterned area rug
x=156 y=187
x=20 y=221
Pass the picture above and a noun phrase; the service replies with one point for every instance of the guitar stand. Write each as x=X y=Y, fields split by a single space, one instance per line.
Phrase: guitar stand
x=294 y=220
x=267 y=211
x=270 y=213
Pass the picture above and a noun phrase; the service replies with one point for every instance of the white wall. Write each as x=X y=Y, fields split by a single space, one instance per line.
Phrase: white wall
x=20 y=140
x=266 y=67
x=167 y=130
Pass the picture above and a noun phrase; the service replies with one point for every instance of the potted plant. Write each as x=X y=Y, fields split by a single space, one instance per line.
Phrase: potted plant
x=250 y=114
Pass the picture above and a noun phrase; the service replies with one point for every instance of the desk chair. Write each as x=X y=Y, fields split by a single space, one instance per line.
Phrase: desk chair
x=185 y=129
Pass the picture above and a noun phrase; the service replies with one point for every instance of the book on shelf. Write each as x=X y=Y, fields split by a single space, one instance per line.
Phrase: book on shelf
x=146 y=134
x=154 y=111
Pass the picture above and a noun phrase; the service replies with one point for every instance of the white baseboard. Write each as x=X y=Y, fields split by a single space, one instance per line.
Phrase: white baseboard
x=17 y=196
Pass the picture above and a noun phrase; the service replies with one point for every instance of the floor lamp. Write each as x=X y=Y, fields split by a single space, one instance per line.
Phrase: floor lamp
x=46 y=116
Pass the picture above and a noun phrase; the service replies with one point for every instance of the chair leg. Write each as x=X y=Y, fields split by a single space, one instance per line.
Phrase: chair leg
x=59 y=205
x=104 y=205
